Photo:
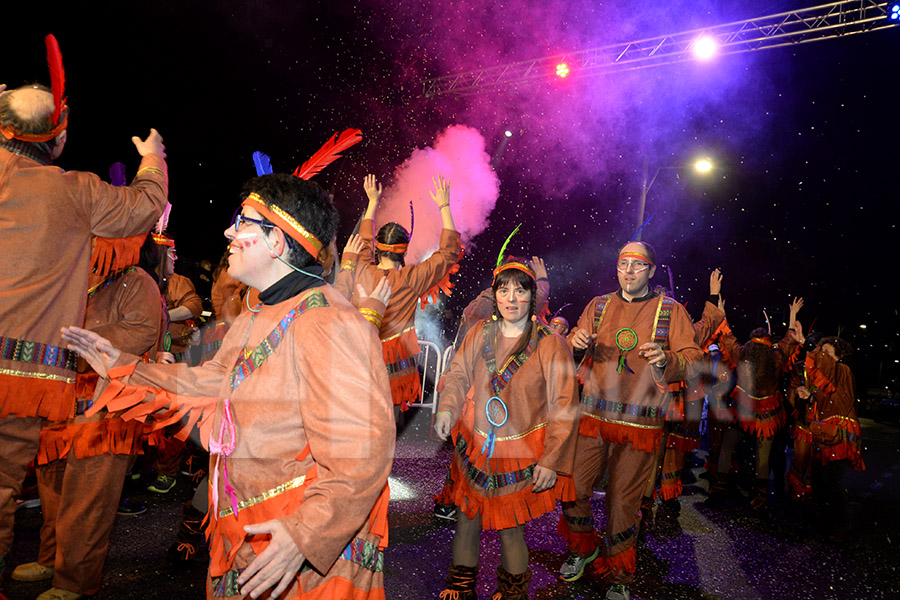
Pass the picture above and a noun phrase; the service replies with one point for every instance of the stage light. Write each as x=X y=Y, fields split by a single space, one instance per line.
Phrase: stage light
x=507 y=133
x=704 y=47
x=895 y=12
x=862 y=326
x=562 y=69
x=704 y=165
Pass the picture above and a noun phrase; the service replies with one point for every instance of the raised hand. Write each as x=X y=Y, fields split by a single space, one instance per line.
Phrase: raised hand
x=540 y=269
x=373 y=189
x=97 y=351
x=381 y=292
x=152 y=145
x=715 y=282
x=441 y=193
x=354 y=244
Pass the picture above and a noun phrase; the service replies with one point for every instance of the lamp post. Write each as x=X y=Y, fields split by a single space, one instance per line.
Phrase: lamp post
x=702 y=165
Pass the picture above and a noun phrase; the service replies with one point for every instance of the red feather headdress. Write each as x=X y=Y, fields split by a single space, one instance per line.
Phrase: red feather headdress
x=328 y=153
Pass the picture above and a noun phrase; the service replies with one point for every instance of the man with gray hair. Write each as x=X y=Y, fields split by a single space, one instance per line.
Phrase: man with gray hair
x=47 y=218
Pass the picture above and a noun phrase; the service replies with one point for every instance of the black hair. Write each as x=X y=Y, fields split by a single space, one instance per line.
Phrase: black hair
x=152 y=258
x=842 y=347
x=757 y=360
x=518 y=277
x=390 y=234
x=306 y=201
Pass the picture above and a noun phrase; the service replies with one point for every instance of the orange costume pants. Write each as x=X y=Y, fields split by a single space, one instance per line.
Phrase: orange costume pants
x=79 y=498
x=629 y=471
x=19 y=442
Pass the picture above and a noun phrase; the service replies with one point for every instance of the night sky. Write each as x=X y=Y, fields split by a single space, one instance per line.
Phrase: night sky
x=802 y=200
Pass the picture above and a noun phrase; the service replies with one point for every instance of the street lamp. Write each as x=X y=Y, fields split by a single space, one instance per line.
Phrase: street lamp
x=702 y=165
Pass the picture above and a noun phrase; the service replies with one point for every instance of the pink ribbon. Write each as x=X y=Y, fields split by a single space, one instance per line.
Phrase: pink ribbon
x=224 y=449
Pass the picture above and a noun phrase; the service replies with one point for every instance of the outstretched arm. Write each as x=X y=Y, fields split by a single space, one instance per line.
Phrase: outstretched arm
x=441 y=197
x=794 y=307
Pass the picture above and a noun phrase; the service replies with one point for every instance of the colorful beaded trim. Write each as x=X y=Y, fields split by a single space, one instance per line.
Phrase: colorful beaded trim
x=622 y=408
x=491 y=482
x=37 y=354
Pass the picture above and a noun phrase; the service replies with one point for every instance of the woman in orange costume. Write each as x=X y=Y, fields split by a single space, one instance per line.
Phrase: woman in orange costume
x=514 y=436
x=296 y=419
x=407 y=282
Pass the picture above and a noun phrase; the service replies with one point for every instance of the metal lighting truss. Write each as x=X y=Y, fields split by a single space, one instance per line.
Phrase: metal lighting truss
x=823 y=22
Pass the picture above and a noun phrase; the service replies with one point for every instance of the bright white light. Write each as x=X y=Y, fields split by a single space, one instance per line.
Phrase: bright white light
x=704 y=165
x=862 y=326
x=401 y=491
x=705 y=47
x=507 y=133
x=562 y=70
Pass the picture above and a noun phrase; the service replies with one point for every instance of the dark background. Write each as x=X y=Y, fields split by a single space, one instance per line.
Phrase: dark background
x=802 y=202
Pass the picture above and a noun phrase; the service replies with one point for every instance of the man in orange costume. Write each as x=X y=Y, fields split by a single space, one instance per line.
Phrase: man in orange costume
x=636 y=343
x=294 y=407
x=45 y=210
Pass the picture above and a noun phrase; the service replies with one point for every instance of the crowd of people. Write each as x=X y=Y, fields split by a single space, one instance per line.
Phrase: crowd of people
x=295 y=385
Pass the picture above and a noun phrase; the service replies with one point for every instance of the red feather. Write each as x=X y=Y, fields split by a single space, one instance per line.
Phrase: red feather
x=57 y=76
x=328 y=153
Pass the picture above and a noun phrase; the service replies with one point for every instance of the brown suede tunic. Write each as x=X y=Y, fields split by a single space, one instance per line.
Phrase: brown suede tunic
x=181 y=292
x=314 y=437
x=47 y=218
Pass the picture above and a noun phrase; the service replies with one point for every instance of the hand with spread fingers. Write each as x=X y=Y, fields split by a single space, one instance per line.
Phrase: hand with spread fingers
x=276 y=566
x=97 y=351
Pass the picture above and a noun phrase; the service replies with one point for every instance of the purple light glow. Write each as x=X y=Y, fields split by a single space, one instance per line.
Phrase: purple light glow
x=705 y=47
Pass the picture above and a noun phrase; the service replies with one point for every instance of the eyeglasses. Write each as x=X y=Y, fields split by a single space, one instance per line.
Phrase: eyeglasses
x=635 y=265
x=240 y=219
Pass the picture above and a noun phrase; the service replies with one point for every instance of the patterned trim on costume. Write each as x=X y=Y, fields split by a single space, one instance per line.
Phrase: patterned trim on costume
x=517 y=436
x=226 y=585
x=37 y=354
x=246 y=362
x=348 y=265
x=662 y=321
x=499 y=380
x=396 y=335
x=579 y=521
x=29 y=375
x=599 y=310
x=622 y=408
x=111 y=279
x=626 y=423
x=491 y=482
x=275 y=491
x=211 y=347
x=621 y=537
x=401 y=365
x=83 y=405
x=365 y=554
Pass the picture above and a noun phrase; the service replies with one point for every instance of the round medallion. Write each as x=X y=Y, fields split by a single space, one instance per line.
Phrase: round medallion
x=626 y=339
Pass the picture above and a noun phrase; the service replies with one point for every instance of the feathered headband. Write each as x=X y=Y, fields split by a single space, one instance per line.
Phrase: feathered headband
x=501 y=266
x=288 y=224
x=60 y=117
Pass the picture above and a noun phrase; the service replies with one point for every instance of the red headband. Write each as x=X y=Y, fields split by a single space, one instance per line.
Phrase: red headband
x=636 y=255
x=163 y=240
x=288 y=224
x=514 y=265
x=396 y=248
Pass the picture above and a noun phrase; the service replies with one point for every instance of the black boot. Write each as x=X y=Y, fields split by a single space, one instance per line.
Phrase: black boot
x=512 y=587
x=460 y=583
x=190 y=537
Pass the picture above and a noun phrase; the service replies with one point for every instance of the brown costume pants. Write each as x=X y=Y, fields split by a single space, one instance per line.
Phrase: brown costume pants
x=628 y=473
x=79 y=497
x=19 y=440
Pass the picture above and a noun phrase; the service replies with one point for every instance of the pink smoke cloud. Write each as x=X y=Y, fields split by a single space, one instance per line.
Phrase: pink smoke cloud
x=458 y=155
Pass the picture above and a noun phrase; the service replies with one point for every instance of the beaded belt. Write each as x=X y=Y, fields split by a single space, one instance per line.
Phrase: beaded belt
x=37 y=353
x=401 y=365
x=491 y=482
x=622 y=408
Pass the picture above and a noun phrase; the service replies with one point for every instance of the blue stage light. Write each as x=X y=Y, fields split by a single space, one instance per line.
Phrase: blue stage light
x=895 y=12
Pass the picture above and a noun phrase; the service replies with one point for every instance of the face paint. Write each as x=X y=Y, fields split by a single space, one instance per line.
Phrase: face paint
x=245 y=240
x=635 y=265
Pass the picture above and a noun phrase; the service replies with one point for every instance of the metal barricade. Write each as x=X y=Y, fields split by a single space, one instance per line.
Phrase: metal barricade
x=430 y=363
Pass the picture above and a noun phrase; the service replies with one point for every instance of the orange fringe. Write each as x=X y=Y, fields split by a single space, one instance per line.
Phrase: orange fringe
x=512 y=509
x=95 y=438
x=722 y=329
x=509 y=455
x=817 y=377
x=671 y=490
x=799 y=491
x=164 y=410
x=621 y=561
x=578 y=542
x=111 y=254
x=762 y=429
x=32 y=397
x=647 y=440
x=802 y=434
x=444 y=285
x=405 y=385
x=228 y=532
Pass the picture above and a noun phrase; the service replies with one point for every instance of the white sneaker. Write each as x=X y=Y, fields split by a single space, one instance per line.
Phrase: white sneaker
x=618 y=591
x=573 y=568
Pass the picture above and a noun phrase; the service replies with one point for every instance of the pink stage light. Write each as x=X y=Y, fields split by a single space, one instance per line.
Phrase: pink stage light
x=562 y=69
x=705 y=47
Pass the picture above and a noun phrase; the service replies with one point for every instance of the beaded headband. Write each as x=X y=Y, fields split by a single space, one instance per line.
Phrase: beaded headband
x=637 y=255
x=288 y=224
x=396 y=248
x=162 y=240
